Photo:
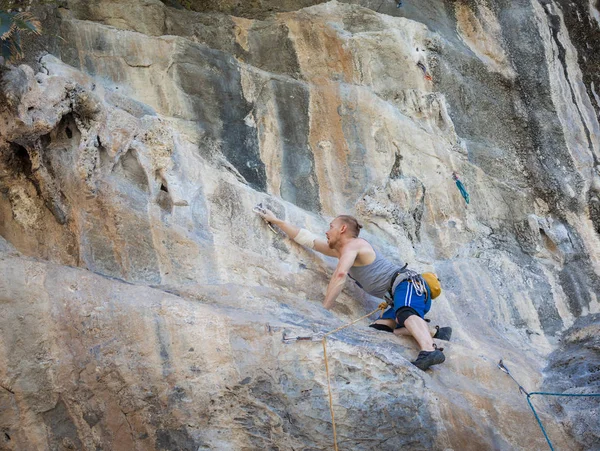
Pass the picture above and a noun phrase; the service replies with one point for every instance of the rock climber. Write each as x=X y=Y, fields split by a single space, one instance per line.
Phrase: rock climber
x=375 y=275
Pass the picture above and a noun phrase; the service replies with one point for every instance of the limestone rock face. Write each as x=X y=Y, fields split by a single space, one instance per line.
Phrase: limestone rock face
x=144 y=304
x=573 y=369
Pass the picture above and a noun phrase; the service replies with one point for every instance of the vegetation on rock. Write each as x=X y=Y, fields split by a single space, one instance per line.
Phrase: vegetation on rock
x=12 y=25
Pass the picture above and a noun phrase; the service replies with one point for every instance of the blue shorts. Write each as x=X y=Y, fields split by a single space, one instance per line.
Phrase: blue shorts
x=407 y=300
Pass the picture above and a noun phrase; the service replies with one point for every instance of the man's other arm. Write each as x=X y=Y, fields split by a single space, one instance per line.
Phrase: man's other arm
x=339 y=277
x=322 y=246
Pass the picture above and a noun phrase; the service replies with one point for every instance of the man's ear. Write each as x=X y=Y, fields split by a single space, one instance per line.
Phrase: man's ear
x=343 y=228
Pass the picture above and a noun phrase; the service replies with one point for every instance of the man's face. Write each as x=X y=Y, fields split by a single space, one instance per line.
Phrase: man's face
x=334 y=232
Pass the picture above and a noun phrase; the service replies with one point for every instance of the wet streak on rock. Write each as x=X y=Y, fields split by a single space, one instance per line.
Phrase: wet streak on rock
x=548 y=153
x=254 y=9
x=479 y=97
x=555 y=26
x=396 y=171
x=584 y=32
x=575 y=282
x=212 y=81
x=594 y=206
x=299 y=181
x=216 y=31
x=545 y=306
x=61 y=428
x=164 y=340
x=175 y=440
x=271 y=49
x=356 y=178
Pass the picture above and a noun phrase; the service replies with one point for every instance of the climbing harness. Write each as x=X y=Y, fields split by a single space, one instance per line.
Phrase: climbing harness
x=461 y=187
x=421 y=66
x=260 y=210
x=502 y=367
x=411 y=276
x=417 y=281
x=323 y=338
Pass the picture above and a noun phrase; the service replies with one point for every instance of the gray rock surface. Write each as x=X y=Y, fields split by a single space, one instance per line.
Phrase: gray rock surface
x=573 y=369
x=144 y=303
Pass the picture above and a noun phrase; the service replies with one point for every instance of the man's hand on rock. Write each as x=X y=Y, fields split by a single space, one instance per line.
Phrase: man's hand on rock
x=268 y=215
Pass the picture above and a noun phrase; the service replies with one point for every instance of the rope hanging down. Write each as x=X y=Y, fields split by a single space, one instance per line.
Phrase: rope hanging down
x=381 y=307
x=530 y=394
x=323 y=338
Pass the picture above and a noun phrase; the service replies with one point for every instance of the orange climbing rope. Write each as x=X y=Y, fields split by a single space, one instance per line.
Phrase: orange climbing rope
x=381 y=307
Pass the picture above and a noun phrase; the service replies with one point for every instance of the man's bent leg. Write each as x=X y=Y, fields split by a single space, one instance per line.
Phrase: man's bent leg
x=405 y=332
x=387 y=322
x=420 y=331
x=410 y=315
x=391 y=323
x=429 y=355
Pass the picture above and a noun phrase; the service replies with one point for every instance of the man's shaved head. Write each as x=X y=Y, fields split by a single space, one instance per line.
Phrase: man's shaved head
x=352 y=224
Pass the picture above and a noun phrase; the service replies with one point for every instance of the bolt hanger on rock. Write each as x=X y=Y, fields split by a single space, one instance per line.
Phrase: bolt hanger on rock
x=315 y=337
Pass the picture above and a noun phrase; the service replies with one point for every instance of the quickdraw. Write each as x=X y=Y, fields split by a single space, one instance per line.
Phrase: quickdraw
x=316 y=337
x=260 y=210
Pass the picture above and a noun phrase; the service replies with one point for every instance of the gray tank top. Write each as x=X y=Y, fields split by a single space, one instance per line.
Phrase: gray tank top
x=376 y=277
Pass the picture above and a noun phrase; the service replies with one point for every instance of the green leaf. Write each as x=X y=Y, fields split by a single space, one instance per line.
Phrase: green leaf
x=11 y=50
x=5 y=50
x=5 y=25
x=26 y=22
x=12 y=24
x=15 y=49
x=4 y=31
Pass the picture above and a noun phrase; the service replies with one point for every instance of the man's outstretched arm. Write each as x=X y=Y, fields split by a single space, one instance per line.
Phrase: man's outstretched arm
x=290 y=229
x=339 y=277
x=301 y=236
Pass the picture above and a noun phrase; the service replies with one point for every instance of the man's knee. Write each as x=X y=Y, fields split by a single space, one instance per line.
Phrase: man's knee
x=402 y=332
x=387 y=325
x=405 y=313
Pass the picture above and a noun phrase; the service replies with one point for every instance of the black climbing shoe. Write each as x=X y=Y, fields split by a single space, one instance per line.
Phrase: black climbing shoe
x=443 y=333
x=428 y=358
x=381 y=327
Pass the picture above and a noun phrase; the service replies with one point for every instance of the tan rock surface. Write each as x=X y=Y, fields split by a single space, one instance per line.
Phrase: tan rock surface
x=144 y=303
